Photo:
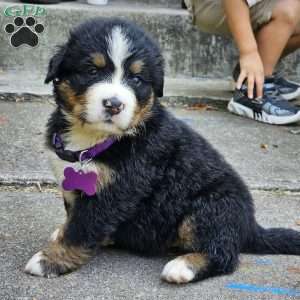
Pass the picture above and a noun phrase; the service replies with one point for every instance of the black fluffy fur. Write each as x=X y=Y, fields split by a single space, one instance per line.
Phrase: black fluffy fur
x=163 y=174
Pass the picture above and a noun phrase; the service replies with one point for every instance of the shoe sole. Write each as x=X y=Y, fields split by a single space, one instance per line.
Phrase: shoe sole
x=291 y=96
x=244 y=111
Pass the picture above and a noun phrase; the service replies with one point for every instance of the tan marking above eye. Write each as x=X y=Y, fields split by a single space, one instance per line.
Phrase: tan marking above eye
x=136 y=67
x=98 y=60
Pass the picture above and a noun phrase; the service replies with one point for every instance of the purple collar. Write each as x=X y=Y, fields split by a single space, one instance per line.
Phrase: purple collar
x=81 y=156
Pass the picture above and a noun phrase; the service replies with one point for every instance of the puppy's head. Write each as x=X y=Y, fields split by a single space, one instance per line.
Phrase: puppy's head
x=107 y=76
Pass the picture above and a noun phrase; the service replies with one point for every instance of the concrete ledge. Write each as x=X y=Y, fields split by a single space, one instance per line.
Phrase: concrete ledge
x=187 y=51
x=28 y=86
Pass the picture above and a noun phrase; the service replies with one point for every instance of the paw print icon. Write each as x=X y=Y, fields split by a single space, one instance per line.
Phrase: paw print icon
x=24 y=31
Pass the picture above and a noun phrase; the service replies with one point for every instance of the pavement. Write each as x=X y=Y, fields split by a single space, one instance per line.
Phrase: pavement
x=198 y=70
x=28 y=218
x=266 y=156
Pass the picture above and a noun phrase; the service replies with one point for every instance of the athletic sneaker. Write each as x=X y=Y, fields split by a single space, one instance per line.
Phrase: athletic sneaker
x=289 y=90
x=271 y=108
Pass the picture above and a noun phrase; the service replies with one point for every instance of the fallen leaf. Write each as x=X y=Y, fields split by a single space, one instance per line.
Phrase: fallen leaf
x=3 y=120
x=293 y=270
x=202 y=107
x=39 y=187
x=264 y=146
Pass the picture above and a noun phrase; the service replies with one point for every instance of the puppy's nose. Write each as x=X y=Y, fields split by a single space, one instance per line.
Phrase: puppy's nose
x=113 y=105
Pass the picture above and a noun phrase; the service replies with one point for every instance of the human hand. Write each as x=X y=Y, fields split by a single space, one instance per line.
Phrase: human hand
x=252 y=69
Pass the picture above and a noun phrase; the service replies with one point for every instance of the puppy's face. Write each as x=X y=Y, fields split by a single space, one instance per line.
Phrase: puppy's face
x=107 y=76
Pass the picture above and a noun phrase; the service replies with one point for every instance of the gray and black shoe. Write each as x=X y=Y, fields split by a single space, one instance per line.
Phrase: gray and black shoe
x=271 y=108
x=289 y=90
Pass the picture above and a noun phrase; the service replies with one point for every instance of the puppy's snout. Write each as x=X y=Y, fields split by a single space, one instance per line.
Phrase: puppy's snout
x=113 y=105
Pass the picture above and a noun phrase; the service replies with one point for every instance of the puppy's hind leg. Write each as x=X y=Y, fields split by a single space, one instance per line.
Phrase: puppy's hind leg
x=185 y=268
x=199 y=265
x=212 y=250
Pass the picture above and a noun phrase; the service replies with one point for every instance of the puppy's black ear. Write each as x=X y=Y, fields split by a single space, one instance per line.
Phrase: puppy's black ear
x=159 y=88
x=159 y=76
x=55 y=63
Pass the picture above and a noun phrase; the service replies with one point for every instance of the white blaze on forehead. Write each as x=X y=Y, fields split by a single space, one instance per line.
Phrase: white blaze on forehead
x=118 y=51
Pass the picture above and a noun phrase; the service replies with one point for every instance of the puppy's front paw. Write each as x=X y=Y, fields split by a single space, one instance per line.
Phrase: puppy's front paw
x=35 y=265
x=57 y=259
x=39 y=265
x=177 y=271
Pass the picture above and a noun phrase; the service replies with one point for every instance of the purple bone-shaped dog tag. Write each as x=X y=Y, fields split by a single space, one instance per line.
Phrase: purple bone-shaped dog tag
x=86 y=182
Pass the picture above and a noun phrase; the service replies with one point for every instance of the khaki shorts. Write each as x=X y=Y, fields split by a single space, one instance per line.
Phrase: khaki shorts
x=209 y=15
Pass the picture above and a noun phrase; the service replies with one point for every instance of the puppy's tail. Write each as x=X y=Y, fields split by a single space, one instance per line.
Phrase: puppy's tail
x=274 y=241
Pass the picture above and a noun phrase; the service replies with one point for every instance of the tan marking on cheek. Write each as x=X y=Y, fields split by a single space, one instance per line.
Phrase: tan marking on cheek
x=143 y=113
x=136 y=67
x=98 y=60
x=75 y=103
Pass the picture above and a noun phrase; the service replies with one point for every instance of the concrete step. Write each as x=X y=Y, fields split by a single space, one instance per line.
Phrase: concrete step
x=29 y=218
x=273 y=166
x=187 y=51
x=162 y=3
x=16 y=85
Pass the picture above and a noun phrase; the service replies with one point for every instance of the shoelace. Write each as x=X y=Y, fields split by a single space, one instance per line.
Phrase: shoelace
x=273 y=94
x=273 y=97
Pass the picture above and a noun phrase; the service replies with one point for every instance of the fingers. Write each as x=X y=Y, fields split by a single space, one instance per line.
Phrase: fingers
x=241 y=79
x=259 y=85
x=253 y=81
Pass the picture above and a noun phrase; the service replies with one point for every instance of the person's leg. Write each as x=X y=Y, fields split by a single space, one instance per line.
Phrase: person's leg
x=273 y=37
x=293 y=43
x=289 y=90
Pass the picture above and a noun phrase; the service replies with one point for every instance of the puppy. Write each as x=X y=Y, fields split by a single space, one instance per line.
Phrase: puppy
x=134 y=176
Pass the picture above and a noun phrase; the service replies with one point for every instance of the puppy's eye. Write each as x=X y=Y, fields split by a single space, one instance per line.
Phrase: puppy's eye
x=92 y=71
x=56 y=80
x=137 y=81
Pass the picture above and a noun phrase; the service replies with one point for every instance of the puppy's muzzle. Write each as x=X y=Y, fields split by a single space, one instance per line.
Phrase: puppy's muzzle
x=113 y=105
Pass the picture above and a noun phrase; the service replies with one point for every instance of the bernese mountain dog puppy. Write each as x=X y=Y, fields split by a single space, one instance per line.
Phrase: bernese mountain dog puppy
x=134 y=176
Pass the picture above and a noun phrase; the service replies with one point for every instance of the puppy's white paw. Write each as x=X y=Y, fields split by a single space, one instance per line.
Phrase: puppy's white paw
x=54 y=235
x=34 y=266
x=177 y=271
